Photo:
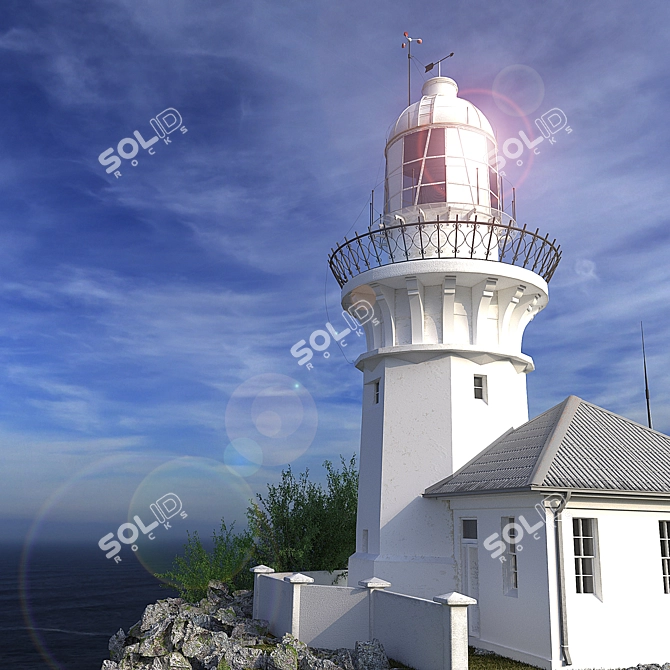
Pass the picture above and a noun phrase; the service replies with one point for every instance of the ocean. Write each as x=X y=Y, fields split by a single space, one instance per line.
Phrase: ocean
x=73 y=600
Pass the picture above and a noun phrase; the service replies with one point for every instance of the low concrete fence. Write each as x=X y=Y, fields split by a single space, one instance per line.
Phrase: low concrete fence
x=423 y=634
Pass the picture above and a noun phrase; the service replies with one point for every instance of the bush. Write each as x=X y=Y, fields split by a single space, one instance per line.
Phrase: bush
x=297 y=526
x=228 y=561
x=300 y=526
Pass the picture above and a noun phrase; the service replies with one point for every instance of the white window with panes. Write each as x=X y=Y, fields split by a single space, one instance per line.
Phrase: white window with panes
x=586 y=555
x=664 y=530
x=510 y=564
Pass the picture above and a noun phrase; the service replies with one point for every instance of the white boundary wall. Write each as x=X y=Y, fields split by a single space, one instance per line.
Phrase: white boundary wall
x=422 y=634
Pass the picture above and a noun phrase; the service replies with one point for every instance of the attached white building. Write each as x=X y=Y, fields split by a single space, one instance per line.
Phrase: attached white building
x=453 y=281
x=586 y=580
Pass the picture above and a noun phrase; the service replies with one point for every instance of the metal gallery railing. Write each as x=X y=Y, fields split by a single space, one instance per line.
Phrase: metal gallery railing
x=430 y=240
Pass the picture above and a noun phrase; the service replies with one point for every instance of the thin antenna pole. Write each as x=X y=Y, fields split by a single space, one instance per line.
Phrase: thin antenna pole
x=513 y=203
x=646 y=380
x=409 y=64
x=409 y=72
x=372 y=207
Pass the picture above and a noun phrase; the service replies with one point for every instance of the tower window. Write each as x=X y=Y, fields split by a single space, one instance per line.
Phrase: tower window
x=481 y=391
x=375 y=389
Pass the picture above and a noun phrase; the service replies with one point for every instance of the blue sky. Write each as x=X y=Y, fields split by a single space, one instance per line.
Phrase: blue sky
x=136 y=310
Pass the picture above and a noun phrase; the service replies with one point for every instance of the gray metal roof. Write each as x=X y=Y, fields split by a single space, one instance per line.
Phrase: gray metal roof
x=574 y=446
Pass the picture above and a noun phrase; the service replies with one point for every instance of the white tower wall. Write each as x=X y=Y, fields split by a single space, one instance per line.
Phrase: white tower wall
x=435 y=332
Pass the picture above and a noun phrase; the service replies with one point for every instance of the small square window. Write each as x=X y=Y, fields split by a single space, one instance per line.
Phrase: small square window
x=481 y=390
x=469 y=529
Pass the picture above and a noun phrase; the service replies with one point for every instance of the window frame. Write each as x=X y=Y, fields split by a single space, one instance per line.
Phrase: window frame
x=469 y=540
x=581 y=554
x=510 y=565
x=483 y=388
x=664 y=534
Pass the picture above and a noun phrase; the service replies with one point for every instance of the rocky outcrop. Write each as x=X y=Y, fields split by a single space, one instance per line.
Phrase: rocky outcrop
x=219 y=634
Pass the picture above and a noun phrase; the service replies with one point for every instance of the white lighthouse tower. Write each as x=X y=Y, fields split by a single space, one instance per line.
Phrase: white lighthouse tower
x=454 y=282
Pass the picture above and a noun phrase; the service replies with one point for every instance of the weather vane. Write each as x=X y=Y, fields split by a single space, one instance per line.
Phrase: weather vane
x=409 y=64
x=430 y=66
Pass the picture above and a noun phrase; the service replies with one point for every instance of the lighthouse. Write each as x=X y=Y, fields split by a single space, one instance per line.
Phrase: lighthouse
x=453 y=281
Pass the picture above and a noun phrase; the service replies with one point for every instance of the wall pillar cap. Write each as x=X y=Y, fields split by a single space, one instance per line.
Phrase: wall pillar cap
x=261 y=570
x=374 y=583
x=454 y=599
x=298 y=578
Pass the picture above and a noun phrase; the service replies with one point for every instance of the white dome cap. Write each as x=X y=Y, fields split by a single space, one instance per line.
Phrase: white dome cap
x=440 y=104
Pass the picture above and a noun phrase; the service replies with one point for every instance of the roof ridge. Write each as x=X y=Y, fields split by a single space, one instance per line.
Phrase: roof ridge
x=625 y=418
x=551 y=446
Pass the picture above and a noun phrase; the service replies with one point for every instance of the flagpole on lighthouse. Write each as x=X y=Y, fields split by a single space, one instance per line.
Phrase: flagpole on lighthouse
x=409 y=64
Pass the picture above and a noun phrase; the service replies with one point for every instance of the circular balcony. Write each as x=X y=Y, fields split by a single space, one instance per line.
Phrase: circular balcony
x=481 y=240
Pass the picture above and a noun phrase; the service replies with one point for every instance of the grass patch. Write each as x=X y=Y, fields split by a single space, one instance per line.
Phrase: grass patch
x=494 y=662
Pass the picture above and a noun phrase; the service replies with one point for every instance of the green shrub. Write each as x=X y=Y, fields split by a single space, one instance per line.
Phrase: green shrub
x=228 y=561
x=297 y=526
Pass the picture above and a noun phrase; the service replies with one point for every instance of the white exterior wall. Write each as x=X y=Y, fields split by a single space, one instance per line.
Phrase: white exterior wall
x=516 y=627
x=428 y=634
x=630 y=622
x=433 y=332
x=626 y=624
x=333 y=616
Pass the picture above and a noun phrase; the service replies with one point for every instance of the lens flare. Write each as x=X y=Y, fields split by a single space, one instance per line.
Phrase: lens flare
x=277 y=413
x=183 y=496
x=520 y=84
x=243 y=456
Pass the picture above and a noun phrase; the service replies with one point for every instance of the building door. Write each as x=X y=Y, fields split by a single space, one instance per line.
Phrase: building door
x=470 y=571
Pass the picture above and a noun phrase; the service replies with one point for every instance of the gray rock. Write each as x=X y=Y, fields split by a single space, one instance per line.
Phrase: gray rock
x=242 y=658
x=243 y=603
x=282 y=657
x=345 y=659
x=314 y=658
x=116 y=643
x=131 y=649
x=288 y=640
x=134 y=662
x=250 y=628
x=156 y=641
x=370 y=656
x=178 y=662
x=225 y=615
x=198 y=642
x=207 y=606
x=154 y=613
x=311 y=662
x=178 y=631
x=202 y=621
x=109 y=665
x=218 y=592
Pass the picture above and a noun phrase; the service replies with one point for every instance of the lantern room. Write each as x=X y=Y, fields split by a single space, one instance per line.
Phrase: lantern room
x=441 y=158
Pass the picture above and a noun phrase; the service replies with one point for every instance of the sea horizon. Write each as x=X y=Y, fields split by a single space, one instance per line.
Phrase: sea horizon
x=63 y=605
